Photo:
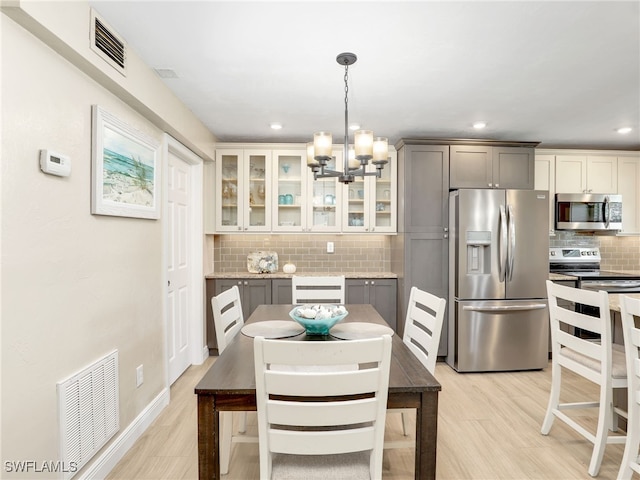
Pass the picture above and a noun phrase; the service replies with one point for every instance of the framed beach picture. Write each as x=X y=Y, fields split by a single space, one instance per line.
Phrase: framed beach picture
x=125 y=169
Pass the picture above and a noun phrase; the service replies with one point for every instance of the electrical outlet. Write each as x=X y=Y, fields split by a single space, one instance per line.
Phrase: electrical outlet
x=139 y=375
x=330 y=247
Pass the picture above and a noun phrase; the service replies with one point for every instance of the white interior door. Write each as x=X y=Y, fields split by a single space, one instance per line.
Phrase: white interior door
x=178 y=266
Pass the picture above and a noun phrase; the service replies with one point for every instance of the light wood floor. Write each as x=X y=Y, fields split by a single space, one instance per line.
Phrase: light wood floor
x=488 y=428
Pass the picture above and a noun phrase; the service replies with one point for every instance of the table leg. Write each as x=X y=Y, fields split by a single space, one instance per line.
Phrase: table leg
x=426 y=436
x=208 y=438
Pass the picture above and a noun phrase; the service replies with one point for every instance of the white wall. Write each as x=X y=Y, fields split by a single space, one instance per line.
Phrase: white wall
x=74 y=285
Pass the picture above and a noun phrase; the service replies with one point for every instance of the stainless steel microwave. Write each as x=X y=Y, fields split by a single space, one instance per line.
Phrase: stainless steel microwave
x=590 y=211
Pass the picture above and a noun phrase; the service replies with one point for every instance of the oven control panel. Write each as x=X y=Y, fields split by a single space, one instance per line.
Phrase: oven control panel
x=574 y=254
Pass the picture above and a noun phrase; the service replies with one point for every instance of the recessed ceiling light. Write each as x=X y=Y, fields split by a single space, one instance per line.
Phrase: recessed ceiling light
x=276 y=126
x=354 y=126
x=479 y=125
x=624 y=130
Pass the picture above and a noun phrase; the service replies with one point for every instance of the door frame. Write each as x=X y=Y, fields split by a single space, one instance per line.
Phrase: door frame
x=197 y=348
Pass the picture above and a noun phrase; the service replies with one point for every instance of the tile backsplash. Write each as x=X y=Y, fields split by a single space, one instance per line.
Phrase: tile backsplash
x=618 y=253
x=353 y=253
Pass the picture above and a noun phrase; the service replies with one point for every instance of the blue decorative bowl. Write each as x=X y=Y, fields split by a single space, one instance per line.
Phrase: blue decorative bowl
x=318 y=326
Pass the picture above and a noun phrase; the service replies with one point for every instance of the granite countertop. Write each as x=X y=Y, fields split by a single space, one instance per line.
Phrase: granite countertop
x=560 y=276
x=614 y=300
x=289 y=275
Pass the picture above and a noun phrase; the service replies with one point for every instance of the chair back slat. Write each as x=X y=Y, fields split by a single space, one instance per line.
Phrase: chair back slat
x=338 y=413
x=322 y=383
x=318 y=289
x=321 y=443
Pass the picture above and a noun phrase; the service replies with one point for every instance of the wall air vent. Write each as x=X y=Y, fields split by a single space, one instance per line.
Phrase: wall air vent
x=88 y=412
x=108 y=44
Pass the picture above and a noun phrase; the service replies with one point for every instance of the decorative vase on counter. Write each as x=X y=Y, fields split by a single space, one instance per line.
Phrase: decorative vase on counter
x=289 y=268
x=262 y=262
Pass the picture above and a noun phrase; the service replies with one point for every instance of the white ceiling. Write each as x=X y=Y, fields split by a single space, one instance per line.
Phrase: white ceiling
x=566 y=74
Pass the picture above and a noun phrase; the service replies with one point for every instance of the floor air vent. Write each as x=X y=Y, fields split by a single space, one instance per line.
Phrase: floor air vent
x=88 y=412
x=108 y=44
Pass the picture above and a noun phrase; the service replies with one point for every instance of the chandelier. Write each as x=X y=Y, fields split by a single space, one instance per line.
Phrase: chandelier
x=366 y=147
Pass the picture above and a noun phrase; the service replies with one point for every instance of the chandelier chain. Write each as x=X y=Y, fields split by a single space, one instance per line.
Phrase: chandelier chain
x=346 y=85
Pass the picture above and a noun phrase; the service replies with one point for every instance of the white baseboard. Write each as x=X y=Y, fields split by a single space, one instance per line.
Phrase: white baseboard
x=117 y=449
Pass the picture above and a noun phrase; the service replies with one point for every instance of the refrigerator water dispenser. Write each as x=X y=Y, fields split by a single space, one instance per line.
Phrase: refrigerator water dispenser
x=478 y=252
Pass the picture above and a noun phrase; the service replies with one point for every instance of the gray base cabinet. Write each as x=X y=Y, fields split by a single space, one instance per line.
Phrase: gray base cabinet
x=281 y=291
x=379 y=292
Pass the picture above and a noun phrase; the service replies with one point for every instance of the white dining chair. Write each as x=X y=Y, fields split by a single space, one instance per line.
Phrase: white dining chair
x=601 y=362
x=630 y=308
x=228 y=321
x=337 y=434
x=422 y=329
x=318 y=289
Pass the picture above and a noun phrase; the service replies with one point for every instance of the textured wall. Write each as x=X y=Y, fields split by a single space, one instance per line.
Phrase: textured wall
x=353 y=253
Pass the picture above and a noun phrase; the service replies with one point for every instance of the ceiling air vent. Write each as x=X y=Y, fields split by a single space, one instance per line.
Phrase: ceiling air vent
x=108 y=44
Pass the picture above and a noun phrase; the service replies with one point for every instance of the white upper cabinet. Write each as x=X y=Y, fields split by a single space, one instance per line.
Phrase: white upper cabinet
x=244 y=190
x=371 y=202
x=289 y=213
x=629 y=188
x=586 y=174
x=324 y=200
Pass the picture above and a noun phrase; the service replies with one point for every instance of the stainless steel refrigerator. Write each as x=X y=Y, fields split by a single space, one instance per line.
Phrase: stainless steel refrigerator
x=498 y=264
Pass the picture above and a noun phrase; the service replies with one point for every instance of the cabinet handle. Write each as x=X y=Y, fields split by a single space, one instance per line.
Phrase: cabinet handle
x=488 y=184
x=497 y=186
x=366 y=282
x=239 y=228
x=446 y=235
x=373 y=282
x=246 y=283
x=239 y=282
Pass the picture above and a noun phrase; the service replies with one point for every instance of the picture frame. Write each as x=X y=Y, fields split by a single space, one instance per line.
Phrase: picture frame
x=125 y=169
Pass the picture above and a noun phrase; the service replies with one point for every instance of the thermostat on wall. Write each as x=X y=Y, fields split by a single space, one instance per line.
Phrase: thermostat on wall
x=55 y=163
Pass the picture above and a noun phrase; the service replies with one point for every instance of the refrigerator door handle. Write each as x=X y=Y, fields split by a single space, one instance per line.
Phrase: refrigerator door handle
x=502 y=248
x=505 y=308
x=512 y=241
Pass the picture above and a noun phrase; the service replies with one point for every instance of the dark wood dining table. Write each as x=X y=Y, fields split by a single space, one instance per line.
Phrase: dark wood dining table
x=229 y=385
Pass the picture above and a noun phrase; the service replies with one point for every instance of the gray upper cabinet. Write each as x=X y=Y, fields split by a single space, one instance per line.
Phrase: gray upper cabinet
x=482 y=166
x=423 y=170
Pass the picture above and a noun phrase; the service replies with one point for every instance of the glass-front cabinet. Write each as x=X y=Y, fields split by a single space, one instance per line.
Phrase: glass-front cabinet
x=324 y=204
x=371 y=206
x=289 y=176
x=242 y=180
x=270 y=188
